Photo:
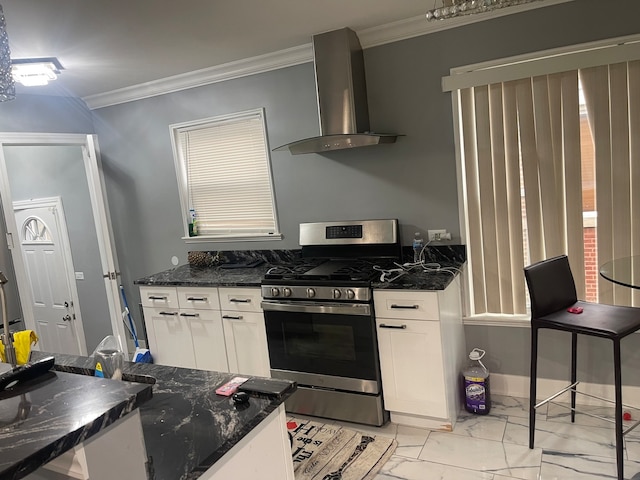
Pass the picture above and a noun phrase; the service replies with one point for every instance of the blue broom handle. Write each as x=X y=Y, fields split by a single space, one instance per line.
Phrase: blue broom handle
x=133 y=328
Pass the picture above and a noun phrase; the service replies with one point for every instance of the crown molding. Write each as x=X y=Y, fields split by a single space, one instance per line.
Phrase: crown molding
x=227 y=71
x=370 y=37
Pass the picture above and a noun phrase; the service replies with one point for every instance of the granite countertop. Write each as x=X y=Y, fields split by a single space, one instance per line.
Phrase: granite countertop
x=186 y=426
x=42 y=418
x=419 y=279
x=190 y=276
x=430 y=278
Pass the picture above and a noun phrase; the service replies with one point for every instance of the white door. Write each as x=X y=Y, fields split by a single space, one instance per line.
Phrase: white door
x=45 y=248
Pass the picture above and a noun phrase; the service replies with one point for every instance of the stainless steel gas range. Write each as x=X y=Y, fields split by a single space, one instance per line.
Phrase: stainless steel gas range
x=320 y=321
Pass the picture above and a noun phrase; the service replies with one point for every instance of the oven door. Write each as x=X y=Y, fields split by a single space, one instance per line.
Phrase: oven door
x=327 y=345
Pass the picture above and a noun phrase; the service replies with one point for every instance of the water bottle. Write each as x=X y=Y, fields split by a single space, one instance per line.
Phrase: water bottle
x=477 y=396
x=418 y=244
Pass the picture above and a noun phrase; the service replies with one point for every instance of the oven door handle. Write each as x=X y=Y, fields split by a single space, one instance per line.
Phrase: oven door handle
x=310 y=307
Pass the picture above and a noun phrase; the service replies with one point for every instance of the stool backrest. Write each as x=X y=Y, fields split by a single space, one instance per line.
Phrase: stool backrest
x=551 y=286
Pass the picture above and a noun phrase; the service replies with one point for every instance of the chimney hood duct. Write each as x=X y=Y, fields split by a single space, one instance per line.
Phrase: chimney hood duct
x=342 y=96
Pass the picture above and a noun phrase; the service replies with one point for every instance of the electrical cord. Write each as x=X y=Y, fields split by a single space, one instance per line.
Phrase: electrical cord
x=391 y=274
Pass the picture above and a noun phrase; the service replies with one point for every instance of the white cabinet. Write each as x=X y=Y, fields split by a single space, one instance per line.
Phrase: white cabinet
x=184 y=327
x=244 y=331
x=168 y=332
x=207 y=328
x=264 y=453
x=422 y=349
x=169 y=337
x=94 y=458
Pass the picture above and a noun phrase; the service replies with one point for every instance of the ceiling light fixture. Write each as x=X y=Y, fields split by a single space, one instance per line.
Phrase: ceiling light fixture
x=7 y=87
x=456 y=8
x=32 y=72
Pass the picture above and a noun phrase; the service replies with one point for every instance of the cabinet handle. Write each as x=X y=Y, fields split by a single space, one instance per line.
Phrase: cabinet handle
x=411 y=307
x=400 y=327
x=189 y=314
x=155 y=297
x=168 y=313
x=230 y=317
x=240 y=300
x=197 y=299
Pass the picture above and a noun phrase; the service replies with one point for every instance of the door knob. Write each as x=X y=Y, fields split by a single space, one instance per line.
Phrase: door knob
x=66 y=318
x=68 y=304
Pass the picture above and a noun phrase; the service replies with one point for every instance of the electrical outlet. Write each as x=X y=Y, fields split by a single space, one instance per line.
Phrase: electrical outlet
x=438 y=235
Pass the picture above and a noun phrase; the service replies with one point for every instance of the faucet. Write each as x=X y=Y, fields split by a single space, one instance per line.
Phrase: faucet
x=7 y=336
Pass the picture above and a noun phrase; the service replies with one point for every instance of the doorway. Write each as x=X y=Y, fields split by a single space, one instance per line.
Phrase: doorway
x=34 y=166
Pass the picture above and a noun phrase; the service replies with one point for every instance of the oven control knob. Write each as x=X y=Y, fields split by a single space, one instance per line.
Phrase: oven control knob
x=311 y=292
x=336 y=293
x=275 y=292
x=286 y=291
x=351 y=294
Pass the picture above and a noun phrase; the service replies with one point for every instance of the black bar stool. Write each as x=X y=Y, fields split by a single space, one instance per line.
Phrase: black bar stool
x=553 y=293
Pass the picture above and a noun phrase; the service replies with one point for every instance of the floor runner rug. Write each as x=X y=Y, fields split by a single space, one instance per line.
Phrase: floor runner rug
x=323 y=451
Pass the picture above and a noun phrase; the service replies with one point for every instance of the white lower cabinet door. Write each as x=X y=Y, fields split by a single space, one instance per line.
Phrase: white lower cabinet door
x=411 y=367
x=172 y=337
x=208 y=339
x=246 y=340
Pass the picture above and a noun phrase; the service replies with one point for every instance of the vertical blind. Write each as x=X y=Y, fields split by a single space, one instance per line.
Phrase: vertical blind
x=522 y=178
x=228 y=176
x=612 y=96
x=521 y=136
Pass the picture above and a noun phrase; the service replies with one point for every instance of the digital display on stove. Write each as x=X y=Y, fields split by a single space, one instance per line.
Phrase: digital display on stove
x=344 y=231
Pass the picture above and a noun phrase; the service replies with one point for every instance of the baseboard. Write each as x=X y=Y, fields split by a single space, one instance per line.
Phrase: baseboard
x=518 y=386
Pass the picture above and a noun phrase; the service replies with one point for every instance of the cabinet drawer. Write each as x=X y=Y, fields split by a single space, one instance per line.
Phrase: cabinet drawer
x=407 y=305
x=198 y=298
x=240 y=299
x=159 y=297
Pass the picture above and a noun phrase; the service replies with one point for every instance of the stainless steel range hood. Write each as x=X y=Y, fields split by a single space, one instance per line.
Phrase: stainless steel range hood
x=342 y=96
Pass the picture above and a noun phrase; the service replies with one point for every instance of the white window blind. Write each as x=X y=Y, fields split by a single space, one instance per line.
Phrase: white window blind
x=224 y=162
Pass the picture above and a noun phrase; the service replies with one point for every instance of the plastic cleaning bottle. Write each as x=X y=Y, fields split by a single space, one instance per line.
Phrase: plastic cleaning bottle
x=477 y=396
x=193 y=228
x=418 y=244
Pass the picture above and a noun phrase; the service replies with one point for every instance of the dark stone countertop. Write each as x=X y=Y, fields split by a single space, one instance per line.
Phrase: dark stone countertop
x=190 y=276
x=442 y=264
x=431 y=278
x=42 y=418
x=186 y=426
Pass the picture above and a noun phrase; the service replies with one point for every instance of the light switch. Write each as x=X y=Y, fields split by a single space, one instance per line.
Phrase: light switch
x=79 y=275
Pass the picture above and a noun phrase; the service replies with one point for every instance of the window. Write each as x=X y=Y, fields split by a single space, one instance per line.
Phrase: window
x=549 y=160
x=224 y=174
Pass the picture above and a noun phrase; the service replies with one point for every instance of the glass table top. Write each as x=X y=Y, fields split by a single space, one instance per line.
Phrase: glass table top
x=623 y=271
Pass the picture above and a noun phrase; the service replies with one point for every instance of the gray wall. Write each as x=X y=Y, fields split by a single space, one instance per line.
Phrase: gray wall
x=43 y=114
x=413 y=180
x=49 y=171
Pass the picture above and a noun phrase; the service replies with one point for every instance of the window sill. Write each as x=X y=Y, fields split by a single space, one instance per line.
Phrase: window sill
x=521 y=321
x=233 y=238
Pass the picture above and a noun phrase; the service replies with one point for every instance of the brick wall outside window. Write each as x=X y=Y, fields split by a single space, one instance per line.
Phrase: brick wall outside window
x=590 y=264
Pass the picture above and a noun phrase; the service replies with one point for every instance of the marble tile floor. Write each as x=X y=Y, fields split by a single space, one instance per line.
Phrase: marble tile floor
x=495 y=446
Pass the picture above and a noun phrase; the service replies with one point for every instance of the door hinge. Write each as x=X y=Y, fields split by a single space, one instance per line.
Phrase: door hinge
x=9 y=241
x=111 y=275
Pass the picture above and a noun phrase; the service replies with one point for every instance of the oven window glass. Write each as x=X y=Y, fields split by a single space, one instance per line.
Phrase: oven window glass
x=319 y=341
x=329 y=344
